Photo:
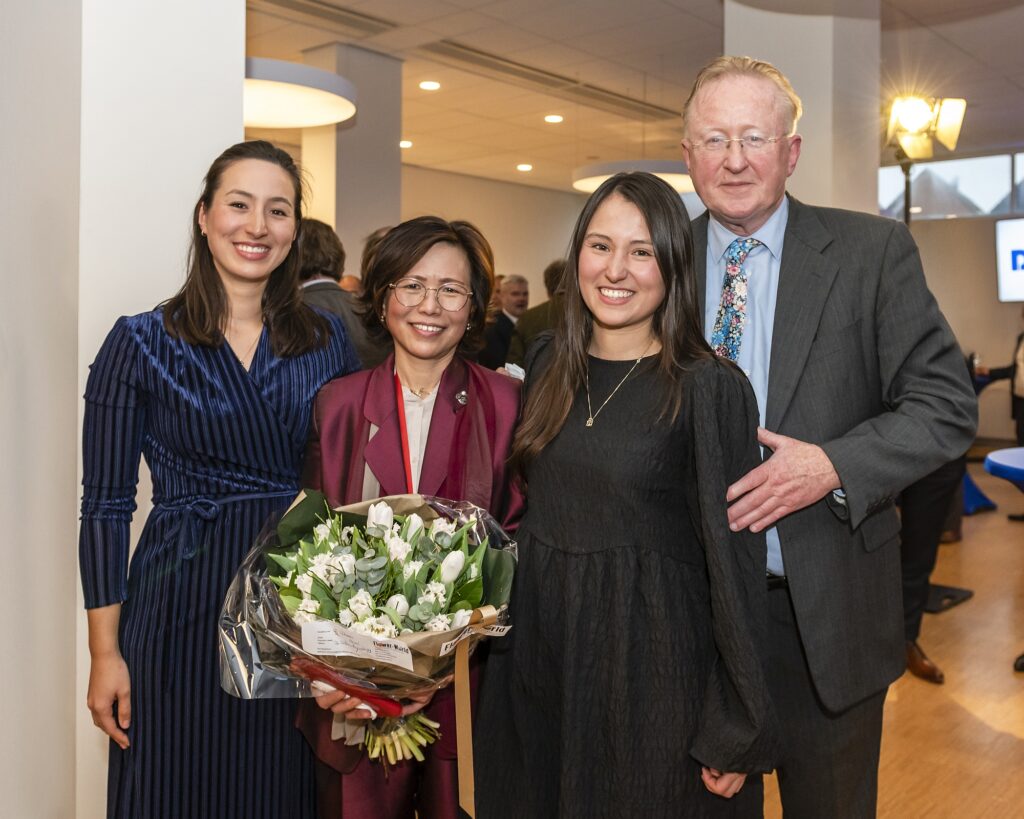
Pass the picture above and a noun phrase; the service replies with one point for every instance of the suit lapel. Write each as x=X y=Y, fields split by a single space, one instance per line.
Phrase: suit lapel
x=700 y=261
x=383 y=451
x=805 y=280
x=447 y=409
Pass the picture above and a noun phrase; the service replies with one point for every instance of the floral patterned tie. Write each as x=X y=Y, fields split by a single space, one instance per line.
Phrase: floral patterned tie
x=732 y=311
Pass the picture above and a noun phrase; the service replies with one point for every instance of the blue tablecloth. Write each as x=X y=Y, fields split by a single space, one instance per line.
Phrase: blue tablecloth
x=1007 y=464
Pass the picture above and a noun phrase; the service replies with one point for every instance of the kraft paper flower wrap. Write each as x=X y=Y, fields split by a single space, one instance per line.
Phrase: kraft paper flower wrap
x=378 y=599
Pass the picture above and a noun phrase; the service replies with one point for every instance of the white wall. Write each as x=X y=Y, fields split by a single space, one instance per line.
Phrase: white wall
x=959 y=259
x=39 y=104
x=527 y=227
x=161 y=97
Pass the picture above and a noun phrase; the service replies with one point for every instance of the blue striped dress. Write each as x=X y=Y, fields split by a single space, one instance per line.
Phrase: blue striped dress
x=224 y=446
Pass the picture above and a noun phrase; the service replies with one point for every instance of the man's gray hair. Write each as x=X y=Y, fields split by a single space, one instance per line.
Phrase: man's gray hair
x=727 y=66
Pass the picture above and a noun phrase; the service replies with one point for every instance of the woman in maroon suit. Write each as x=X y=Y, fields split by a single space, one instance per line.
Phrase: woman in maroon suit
x=447 y=435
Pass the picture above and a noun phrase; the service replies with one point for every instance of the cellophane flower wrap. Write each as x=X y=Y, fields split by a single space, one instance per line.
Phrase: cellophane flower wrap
x=371 y=599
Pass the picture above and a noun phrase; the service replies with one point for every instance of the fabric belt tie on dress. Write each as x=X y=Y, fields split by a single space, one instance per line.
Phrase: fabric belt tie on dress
x=192 y=520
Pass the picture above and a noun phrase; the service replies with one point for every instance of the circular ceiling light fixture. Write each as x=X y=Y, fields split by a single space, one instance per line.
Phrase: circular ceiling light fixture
x=405 y=143
x=430 y=85
x=589 y=178
x=554 y=119
x=524 y=167
x=280 y=94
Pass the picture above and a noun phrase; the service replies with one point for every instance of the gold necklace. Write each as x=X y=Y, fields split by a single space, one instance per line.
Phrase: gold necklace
x=246 y=358
x=591 y=415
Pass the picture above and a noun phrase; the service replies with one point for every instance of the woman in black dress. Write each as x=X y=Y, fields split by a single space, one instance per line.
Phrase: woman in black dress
x=630 y=684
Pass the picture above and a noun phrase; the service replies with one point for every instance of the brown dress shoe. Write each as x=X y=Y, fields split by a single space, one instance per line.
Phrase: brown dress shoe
x=919 y=665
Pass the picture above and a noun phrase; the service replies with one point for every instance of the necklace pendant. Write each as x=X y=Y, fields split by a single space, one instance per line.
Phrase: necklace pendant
x=590 y=422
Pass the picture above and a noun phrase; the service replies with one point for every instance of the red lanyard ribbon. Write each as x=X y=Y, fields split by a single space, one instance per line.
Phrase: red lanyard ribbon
x=403 y=429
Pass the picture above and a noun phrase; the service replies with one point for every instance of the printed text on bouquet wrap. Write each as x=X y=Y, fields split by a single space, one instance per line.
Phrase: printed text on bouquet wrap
x=490 y=630
x=325 y=638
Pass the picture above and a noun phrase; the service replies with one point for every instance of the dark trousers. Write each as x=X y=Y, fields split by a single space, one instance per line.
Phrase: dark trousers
x=923 y=509
x=829 y=766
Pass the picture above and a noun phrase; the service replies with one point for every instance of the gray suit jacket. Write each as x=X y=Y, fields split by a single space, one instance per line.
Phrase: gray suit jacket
x=863 y=364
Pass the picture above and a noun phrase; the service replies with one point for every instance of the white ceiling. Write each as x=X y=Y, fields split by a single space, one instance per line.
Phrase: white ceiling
x=642 y=54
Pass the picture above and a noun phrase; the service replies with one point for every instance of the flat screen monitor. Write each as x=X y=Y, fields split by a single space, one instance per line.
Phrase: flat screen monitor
x=1010 y=259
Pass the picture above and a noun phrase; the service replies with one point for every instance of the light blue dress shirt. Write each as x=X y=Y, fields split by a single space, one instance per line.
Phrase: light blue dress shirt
x=762 y=266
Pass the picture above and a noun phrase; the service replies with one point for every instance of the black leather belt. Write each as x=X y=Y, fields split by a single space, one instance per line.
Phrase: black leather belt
x=777 y=581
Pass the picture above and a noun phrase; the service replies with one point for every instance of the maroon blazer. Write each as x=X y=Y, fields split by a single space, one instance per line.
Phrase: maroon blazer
x=471 y=429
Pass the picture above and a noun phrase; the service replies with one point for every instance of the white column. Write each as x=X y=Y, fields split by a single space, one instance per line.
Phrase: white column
x=161 y=98
x=39 y=104
x=355 y=168
x=833 y=60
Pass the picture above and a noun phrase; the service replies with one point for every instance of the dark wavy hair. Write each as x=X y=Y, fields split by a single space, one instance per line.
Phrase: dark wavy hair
x=198 y=313
x=400 y=250
x=676 y=322
x=321 y=251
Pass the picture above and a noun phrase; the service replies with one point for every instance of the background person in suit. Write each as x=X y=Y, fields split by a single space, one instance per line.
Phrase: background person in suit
x=861 y=391
x=1015 y=372
x=514 y=298
x=540 y=318
x=323 y=262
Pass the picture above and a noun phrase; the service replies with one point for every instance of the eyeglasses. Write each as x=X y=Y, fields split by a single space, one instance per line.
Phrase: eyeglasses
x=751 y=142
x=451 y=297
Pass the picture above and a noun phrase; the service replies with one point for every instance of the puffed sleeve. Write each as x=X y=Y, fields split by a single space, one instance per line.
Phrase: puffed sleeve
x=738 y=730
x=115 y=416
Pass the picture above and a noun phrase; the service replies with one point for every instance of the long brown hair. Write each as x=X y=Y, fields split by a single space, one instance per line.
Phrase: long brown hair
x=676 y=323
x=198 y=313
x=400 y=250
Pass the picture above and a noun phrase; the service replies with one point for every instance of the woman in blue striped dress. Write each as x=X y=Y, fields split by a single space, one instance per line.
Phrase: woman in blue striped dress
x=214 y=389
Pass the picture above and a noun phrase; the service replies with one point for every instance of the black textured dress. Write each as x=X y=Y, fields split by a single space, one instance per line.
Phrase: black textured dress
x=633 y=651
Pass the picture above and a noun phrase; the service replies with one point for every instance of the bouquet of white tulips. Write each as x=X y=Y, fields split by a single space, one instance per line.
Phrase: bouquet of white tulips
x=372 y=599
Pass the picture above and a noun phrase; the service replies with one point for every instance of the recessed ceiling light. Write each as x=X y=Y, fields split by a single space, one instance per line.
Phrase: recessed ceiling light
x=405 y=143
x=430 y=85
x=524 y=167
x=554 y=118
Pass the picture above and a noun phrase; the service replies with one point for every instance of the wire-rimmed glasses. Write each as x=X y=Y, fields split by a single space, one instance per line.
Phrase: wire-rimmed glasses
x=451 y=297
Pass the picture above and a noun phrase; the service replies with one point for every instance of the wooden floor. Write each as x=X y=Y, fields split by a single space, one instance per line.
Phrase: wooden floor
x=956 y=751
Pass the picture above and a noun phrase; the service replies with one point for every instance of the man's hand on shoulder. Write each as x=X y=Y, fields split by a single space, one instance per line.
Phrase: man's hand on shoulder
x=796 y=475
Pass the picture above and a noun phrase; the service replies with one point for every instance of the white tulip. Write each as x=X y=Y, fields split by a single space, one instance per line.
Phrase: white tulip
x=380 y=514
x=451 y=567
x=461 y=617
x=414 y=524
x=399 y=604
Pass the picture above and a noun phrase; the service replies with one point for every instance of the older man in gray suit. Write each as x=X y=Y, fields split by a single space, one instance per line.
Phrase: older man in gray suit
x=861 y=389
